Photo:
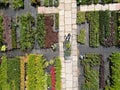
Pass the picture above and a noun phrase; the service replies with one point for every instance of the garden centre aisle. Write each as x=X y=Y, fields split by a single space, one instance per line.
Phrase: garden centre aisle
x=67 y=24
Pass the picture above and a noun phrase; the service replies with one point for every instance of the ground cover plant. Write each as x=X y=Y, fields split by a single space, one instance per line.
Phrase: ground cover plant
x=91 y=74
x=27 y=31
x=17 y=4
x=93 y=19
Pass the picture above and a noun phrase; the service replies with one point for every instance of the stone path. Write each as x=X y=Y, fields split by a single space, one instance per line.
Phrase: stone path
x=67 y=24
x=67 y=12
x=97 y=7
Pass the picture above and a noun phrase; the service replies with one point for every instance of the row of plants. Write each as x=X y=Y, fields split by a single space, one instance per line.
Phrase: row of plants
x=3 y=74
x=104 y=27
x=102 y=73
x=13 y=70
x=118 y=28
x=93 y=19
x=51 y=37
x=35 y=73
x=17 y=4
x=50 y=3
x=9 y=73
x=7 y=32
x=40 y=36
x=114 y=72
x=22 y=73
x=91 y=75
x=45 y=34
x=27 y=31
x=14 y=36
x=1 y=31
x=88 y=2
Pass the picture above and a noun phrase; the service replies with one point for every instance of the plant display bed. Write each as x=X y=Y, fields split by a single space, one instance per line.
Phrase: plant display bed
x=101 y=46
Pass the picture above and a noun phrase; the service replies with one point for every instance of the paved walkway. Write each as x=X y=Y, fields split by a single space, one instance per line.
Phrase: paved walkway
x=67 y=12
x=97 y=7
x=67 y=24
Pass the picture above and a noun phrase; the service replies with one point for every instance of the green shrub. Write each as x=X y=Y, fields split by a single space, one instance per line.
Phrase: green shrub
x=80 y=17
x=81 y=36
